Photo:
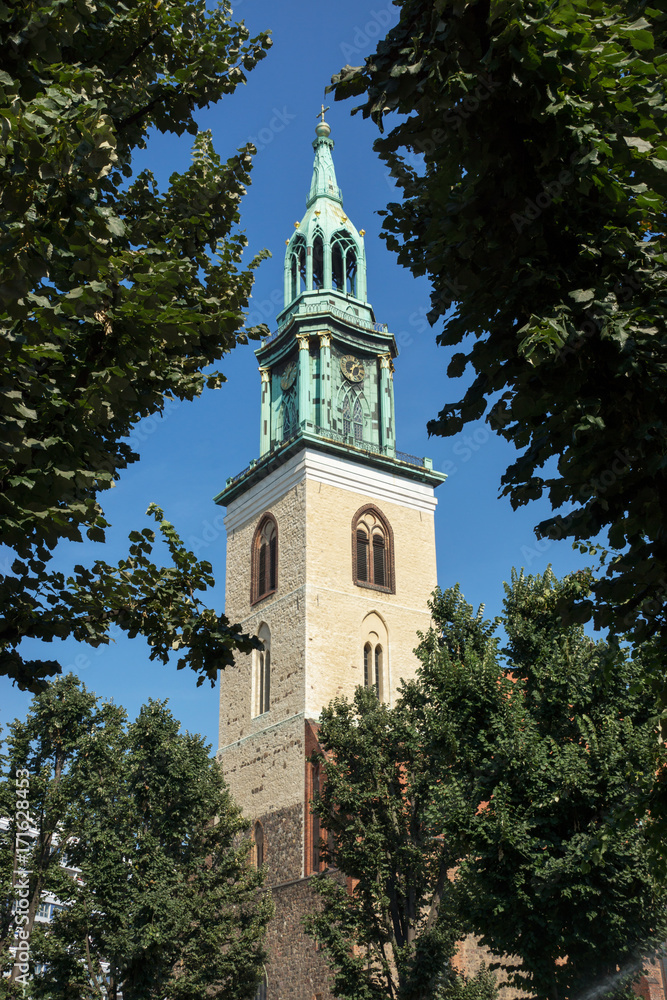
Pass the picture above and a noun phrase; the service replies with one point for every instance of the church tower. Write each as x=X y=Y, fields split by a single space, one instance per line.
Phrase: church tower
x=330 y=556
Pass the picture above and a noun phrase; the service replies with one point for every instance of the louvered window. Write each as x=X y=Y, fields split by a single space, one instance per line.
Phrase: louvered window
x=372 y=549
x=273 y=551
x=362 y=556
x=262 y=570
x=265 y=559
x=379 y=569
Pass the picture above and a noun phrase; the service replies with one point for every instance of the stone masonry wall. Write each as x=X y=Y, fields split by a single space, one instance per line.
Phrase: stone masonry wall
x=265 y=776
x=283 y=836
x=284 y=613
x=262 y=757
x=337 y=607
x=296 y=969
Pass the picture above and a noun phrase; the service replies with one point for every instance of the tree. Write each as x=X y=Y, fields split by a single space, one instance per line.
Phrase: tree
x=165 y=901
x=36 y=795
x=529 y=788
x=394 y=933
x=113 y=298
x=551 y=759
x=531 y=158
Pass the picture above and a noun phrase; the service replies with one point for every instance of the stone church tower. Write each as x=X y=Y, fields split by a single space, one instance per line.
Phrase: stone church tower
x=330 y=556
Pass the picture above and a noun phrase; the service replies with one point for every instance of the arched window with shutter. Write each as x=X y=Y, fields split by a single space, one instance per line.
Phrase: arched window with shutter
x=372 y=550
x=264 y=559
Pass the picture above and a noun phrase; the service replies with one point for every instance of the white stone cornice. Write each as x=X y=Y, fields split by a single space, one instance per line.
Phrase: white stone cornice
x=322 y=467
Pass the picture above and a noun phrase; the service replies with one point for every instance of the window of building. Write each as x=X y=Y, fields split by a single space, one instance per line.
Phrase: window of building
x=375 y=645
x=297 y=266
x=264 y=559
x=372 y=550
x=344 y=262
x=258 y=849
x=289 y=413
x=373 y=667
x=318 y=260
x=353 y=418
x=43 y=910
x=261 y=681
x=315 y=821
x=377 y=675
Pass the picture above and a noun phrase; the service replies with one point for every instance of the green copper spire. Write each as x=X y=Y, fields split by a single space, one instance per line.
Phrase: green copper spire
x=323 y=184
x=326 y=253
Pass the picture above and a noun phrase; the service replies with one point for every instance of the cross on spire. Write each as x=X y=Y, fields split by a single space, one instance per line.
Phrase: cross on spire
x=320 y=114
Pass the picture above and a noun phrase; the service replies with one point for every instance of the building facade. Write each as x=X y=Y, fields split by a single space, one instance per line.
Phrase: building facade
x=330 y=555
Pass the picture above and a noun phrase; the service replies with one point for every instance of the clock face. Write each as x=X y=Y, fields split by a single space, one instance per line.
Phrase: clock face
x=289 y=375
x=352 y=368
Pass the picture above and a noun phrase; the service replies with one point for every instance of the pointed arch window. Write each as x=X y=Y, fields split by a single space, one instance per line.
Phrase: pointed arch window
x=289 y=409
x=261 y=679
x=344 y=262
x=353 y=417
x=373 y=667
x=358 y=420
x=297 y=266
x=264 y=559
x=372 y=550
x=318 y=260
x=377 y=673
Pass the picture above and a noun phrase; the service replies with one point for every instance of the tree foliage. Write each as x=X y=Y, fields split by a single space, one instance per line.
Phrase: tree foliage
x=114 y=296
x=530 y=788
x=159 y=897
x=555 y=761
x=529 y=150
x=394 y=933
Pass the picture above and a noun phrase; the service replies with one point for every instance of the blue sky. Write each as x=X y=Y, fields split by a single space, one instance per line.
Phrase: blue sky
x=187 y=455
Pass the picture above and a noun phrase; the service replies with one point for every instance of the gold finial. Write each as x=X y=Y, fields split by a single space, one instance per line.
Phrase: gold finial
x=362 y=232
x=286 y=243
x=296 y=225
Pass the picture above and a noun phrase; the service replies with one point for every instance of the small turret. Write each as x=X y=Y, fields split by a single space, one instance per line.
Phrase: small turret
x=326 y=253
